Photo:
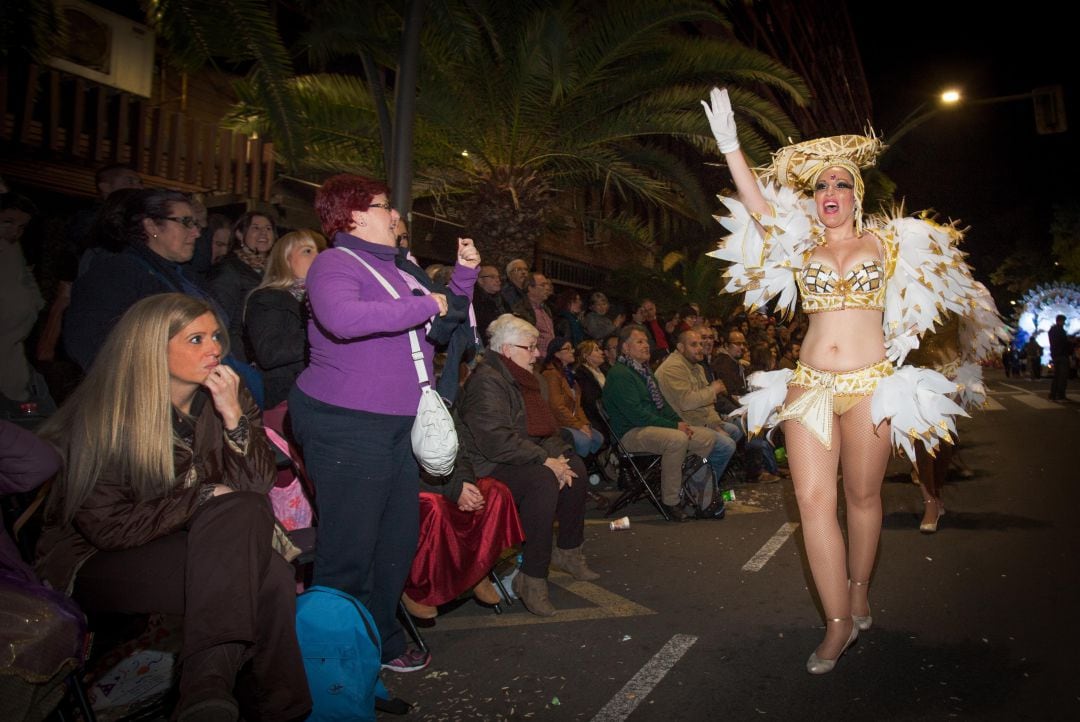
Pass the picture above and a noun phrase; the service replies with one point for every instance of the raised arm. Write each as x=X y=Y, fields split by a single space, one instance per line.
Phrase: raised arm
x=722 y=121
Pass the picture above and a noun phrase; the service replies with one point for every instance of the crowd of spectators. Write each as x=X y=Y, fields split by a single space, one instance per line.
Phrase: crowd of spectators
x=236 y=325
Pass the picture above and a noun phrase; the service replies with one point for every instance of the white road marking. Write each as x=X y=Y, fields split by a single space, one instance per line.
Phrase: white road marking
x=992 y=405
x=1029 y=399
x=765 y=553
x=1037 y=402
x=641 y=684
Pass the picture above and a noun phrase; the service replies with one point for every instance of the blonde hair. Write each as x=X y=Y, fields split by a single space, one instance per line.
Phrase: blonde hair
x=278 y=274
x=120 y=417
x=581 y=353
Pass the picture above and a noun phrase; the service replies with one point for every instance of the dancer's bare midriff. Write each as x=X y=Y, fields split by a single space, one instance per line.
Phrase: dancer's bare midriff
x=843 y=340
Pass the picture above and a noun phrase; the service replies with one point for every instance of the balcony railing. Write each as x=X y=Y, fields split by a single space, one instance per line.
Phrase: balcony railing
x=50 y=116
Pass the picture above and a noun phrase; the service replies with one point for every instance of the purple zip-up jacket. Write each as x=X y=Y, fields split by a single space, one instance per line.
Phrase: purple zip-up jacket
x=359 y=335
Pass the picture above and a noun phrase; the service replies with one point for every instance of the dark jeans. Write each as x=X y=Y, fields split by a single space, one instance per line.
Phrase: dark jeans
x=367 y=488
x=540 y=504
x=1061 y=377
x=237 y=597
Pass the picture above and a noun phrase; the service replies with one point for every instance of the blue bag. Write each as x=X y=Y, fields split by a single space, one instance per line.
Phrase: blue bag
x=342 y=655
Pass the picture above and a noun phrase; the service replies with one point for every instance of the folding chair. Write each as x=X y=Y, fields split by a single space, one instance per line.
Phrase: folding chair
x=639 y=470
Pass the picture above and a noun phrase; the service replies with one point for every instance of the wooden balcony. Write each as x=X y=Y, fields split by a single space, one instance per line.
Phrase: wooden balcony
x=56 y=129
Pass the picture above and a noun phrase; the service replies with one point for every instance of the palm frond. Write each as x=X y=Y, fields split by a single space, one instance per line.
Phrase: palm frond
x=241 y=31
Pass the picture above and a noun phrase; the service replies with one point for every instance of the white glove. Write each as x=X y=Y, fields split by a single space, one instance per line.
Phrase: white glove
x=897 y=347
x=722 y=120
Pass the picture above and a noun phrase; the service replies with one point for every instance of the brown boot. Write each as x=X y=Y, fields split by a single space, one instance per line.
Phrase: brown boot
x=533 y=592
x=485 y=592
x=572 y=561
x=418 y=610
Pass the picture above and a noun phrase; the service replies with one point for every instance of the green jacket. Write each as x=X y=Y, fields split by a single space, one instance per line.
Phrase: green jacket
x=628 y=404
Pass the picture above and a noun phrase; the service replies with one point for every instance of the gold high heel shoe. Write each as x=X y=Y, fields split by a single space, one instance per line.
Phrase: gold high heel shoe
x=862 y=623
x=929 y=527
x=817 y=665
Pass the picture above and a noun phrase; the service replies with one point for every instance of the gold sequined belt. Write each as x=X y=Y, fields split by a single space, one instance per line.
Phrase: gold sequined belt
x=815 y=408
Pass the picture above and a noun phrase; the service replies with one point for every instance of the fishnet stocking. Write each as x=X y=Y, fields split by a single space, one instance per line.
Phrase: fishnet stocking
x=864 y=453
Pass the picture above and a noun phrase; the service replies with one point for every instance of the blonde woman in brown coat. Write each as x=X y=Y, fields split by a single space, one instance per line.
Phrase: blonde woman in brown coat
x=161 y=506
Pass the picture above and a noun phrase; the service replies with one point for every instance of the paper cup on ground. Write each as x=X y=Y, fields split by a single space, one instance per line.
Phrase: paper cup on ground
x=619 y=524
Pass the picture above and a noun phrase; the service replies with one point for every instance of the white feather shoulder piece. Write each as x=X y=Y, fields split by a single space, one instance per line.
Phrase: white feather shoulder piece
x=982 y=331
x=763 y=264
x=927 y=278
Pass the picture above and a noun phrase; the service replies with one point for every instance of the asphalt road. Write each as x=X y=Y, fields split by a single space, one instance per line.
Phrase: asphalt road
x=714 y=620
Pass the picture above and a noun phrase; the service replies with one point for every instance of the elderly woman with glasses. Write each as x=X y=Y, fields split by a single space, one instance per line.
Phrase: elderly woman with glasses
x=511 y=434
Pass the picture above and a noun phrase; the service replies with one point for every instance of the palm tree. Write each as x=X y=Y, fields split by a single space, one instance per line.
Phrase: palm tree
x=520 y=102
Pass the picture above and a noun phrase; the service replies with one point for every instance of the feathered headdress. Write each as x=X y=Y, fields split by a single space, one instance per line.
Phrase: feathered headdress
x=798 y=166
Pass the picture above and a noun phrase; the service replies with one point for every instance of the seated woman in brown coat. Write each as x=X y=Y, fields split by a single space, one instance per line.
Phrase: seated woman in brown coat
x=564 y=397
x=510 y=433
x=161 y=506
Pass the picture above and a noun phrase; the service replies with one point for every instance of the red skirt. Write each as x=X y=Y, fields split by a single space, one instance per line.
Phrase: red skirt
x=458 y=548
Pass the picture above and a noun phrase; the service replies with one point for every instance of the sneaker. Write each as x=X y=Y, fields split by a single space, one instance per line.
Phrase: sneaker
x=411 y=660
x=764 y=478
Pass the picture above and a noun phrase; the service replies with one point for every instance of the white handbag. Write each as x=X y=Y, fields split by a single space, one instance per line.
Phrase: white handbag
x=434 y=438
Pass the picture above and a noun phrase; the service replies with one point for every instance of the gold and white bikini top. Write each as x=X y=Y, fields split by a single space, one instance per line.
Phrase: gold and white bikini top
x=823 y=289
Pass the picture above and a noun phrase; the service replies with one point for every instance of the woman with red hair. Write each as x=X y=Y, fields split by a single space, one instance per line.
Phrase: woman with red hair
x=353 y=407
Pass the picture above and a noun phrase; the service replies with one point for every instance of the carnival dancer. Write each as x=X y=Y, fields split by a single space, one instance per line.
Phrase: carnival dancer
x=956 y=350
x=871 y=286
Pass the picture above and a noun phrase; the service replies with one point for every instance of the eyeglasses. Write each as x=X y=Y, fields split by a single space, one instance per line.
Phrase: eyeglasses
x=186 y=221
x=531 y=348
x=488 y=276
x=387 y=206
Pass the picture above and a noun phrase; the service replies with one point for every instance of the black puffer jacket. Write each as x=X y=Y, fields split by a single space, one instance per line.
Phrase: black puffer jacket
x=112 y=286
x=275 y=334
x=231 y=282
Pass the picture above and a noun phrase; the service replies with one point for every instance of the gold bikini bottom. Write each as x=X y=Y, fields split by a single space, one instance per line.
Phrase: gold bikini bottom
x=831 y=393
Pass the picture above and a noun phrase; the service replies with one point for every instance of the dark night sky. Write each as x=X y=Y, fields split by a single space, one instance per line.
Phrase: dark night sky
x=983 y=165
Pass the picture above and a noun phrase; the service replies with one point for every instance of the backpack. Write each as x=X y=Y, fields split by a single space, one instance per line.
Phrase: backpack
x=342 y=655
x=700 y=493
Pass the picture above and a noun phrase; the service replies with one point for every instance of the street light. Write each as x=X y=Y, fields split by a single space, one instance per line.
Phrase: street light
x=947 y=99
x=1048 y=102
